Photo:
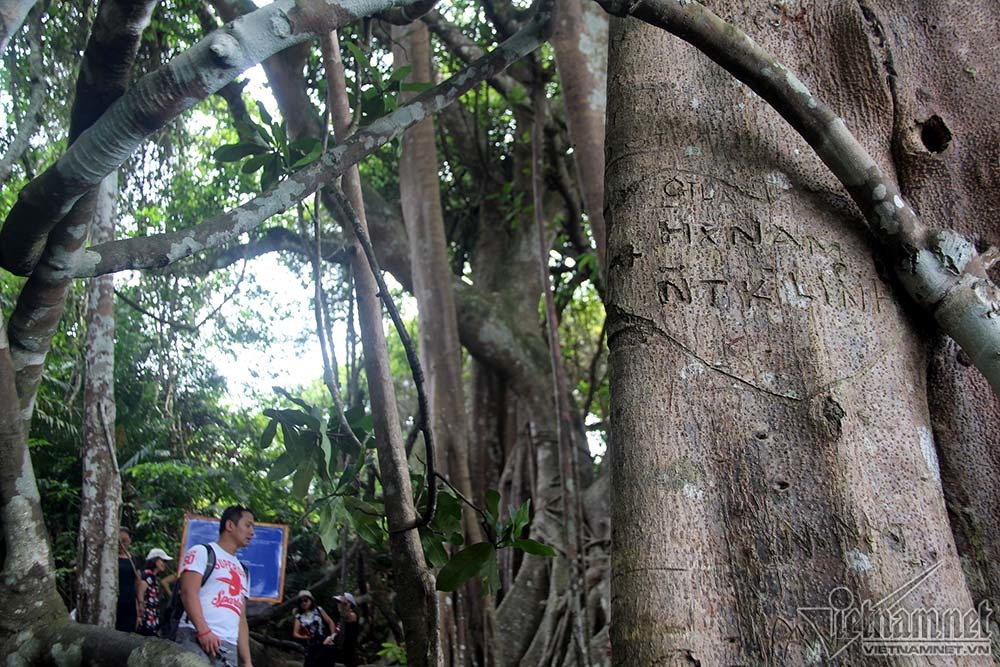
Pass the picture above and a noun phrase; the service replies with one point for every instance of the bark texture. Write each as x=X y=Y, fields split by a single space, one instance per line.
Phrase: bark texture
x=97 y=541
x=415 y=584
x=580 y=42
x=12 y=15
x=945 y=112
x=440 y=350
x=759 y=462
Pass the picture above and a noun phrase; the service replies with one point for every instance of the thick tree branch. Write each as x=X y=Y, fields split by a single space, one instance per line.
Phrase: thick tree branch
x=12 y=15
x=156 y=99
x=273 y=239
x=939 y=269
x=163 y=249
x=104 y=74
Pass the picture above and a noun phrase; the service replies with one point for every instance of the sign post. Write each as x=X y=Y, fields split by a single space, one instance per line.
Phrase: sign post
x=264 y=558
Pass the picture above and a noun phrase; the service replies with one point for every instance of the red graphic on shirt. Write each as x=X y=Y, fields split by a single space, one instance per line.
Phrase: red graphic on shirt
x=235 y=584
x=188 y=558
x=234 y=601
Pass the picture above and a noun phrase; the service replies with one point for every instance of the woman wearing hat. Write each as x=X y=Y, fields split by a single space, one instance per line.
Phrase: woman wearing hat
x=315 y=627
x=149 y=592
x=348 y=629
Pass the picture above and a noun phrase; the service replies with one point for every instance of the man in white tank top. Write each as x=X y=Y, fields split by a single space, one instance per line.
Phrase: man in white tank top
x=214 y=622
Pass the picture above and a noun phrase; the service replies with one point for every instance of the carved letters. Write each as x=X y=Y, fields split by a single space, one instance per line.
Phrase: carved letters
x=762 y=263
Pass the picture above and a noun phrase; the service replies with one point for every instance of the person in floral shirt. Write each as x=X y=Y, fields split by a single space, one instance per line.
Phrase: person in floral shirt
x=150 y=592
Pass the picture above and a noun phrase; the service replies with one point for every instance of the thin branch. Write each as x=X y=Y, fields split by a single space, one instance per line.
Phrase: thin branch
x=39 y=93
x=939 y=269
x=183 y=326
x=162 y=249
x=347 y=213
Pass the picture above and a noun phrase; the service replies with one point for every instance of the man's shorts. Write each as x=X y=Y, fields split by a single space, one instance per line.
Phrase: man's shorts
x=227 y=657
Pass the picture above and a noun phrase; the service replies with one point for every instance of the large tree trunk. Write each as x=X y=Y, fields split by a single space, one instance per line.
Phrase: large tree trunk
x=940 y=125
x=440 y=350
x=101 y=492
x=772 y=439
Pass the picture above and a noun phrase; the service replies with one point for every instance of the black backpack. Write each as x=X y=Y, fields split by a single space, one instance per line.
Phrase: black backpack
x=175 y=608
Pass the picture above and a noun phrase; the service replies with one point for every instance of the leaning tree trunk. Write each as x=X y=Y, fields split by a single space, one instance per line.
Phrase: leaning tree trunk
x=769 y=395
x=101 y=491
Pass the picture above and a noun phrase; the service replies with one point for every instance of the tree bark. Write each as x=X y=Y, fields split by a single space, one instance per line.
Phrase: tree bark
x=580 y=43
x=759 y=463
x=440 y=350
x=100 y=505
x=415 y=583
x=12 y=15
x=939 y=125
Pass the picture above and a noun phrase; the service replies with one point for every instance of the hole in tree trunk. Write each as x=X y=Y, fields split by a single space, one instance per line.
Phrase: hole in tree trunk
x=934 y=134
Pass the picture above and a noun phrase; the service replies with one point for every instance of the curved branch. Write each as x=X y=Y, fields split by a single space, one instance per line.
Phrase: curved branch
x=939 y=269
x=156 y=99
x=347 y=213
x=163 y=249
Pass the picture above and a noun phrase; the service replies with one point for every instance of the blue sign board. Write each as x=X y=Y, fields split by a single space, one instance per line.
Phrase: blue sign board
x=264 y=558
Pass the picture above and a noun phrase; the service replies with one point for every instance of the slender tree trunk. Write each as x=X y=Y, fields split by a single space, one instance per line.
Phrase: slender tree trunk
x=580 y=43
x=97 y=543
x=440 y=350
x=772 y=441
x=415 y=583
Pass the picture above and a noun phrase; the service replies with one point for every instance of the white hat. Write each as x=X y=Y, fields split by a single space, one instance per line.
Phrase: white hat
x=305 y=594
x=157 y=553
x=348 y=597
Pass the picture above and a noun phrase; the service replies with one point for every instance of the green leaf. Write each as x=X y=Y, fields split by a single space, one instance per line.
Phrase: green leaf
x=264 y=115
x=271 y=173
x=351 y=472
x=309 y=158
x=415 y=86
x=255 y=163
x=535 y=548
x=400 y=74
x=303 y=476
x=493 y=503
x=305 y=144
x=267 y=437
x=328 y=528
x=434 y=550
x=280 y=135
x=236 y=152
x=359 y=55
x=464 y=565
x=297 y=401
x=283 y=467
x=522 y=517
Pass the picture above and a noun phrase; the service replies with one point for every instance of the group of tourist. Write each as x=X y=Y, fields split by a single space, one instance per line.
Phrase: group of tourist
x=214 y=587
x=138 y=608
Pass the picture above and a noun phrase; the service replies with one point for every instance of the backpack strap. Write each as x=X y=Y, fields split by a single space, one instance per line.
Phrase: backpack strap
x=209 y=563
